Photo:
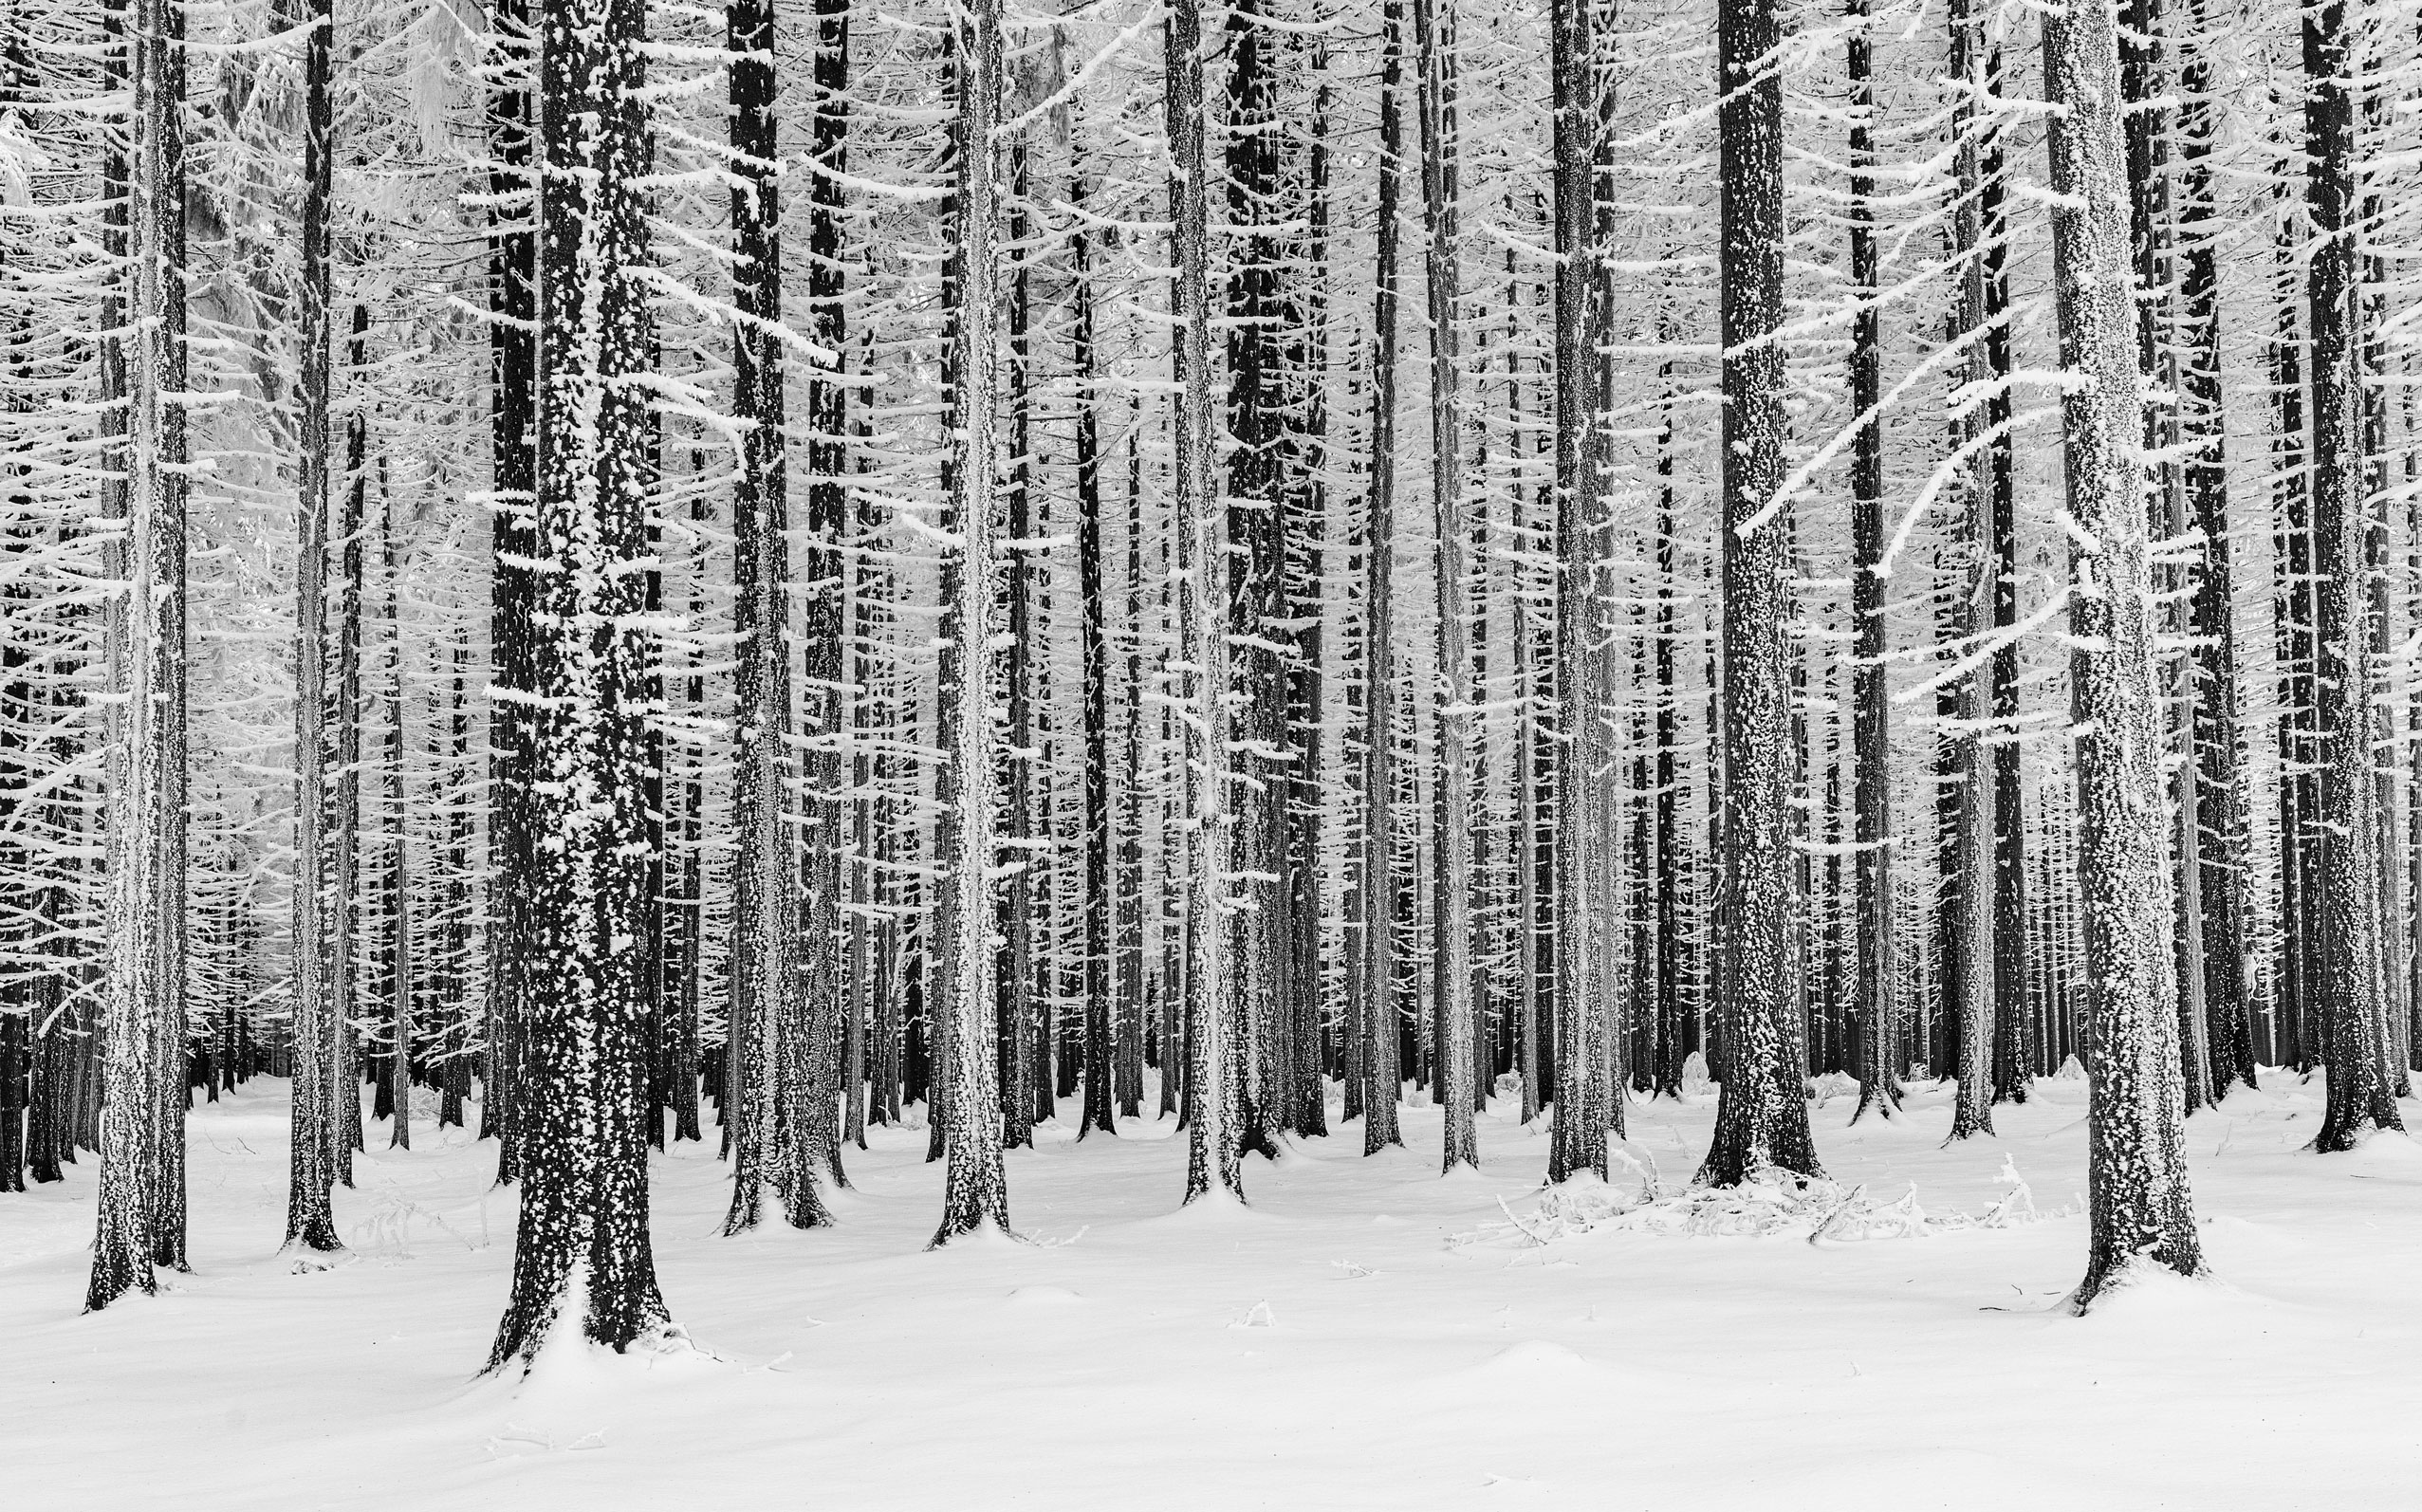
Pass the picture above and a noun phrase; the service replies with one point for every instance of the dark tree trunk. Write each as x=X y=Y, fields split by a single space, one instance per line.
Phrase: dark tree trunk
x=2216 y=734
x=2349 y=959
x=1870 y=1011
x=310 y=1224
x=1375 y=1012
x=583 y=1232
x=1761 y=1117
x=512 y=344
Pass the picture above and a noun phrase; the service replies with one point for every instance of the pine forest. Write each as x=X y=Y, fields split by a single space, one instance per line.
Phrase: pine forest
x=955 y=698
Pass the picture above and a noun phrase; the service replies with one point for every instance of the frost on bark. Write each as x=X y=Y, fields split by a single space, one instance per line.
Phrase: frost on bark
x=1578 y=1140
x=1973 y=845
x=2140 y=1210
x=512 y=302
x=1871 y=729
x=1107 y=1023
x=975 y=1192
x=762 y=1111
x=1761 y=1117
x=310 y=1224
x=815 y=1121
x=583 y=1232
x=141 y=1223
x=2353 y=1012
x=1376 y=1011
x=1458 y=1068
x=2220 y=776
x=1212 y=1149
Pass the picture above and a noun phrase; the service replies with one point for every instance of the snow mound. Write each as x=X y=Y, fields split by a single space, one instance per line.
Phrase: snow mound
x=1535 y=1361
x=1772 y=1204
x=1043 y=1297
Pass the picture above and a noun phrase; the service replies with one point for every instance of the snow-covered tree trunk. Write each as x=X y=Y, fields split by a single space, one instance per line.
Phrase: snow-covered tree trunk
x=1761 y=1117
x=2221 y=778
x=400 y=985
x=1973 y=845
x=1105 y=1017
x=975 y=1192
x=825 y=628
x=1457 y=1068
x=767 y=1132
x=1578 y=1141
x=310 y=1225
x=582 y=1240
x=1204 y=602
x=1871 y=733
x=513 y=341
x=142 y=1102
x=1376 y=1013
x=2140 y=1212
x=2353 y=1010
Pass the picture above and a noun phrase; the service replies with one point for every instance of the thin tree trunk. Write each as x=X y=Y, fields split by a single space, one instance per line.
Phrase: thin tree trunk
x=1377 y=1013
x=1578 y=1141
x=975 y=1192
x=1205 y=600
x=310 y=1222
x=1871 y=735
x=1457 y=1072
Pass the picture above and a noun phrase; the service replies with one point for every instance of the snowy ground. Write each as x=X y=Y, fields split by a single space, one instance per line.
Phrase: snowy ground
x=1330 y=1348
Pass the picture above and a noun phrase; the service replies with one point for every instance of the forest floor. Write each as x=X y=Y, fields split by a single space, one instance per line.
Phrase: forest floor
x=1367 y=1334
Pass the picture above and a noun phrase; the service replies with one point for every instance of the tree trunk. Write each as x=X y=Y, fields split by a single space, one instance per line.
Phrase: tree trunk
x=975 y=1192
x=2216 y=736
x=1457 y=1070
x=1762 y=1119
x=1205 y=601
x=1376 y=1013
x=310 y=1222
x=1870 y=734
x=2353 y=1014
x=142 y=1125
x=513 y=295
x=583 y=1229
x=2140 y=1212
x=1578 y=1142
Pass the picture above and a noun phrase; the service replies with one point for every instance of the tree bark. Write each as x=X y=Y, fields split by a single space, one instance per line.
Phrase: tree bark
x=2355 y=1039
x=1761 y=1120
x=975 y=1192
x=583 y=1240
x=2140 y=1212
x=310 y=1222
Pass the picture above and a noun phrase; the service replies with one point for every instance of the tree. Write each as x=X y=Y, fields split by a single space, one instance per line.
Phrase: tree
x=1435 y=21
x=1212 y=1148
x=765 y=1010
x=2139 y=1210
x=142 y=1102
x=310 y=1225
x=1872 y=1013
x=2362 y=1091
x=1761 y=1118
x=1376 y=1011
x=1578 y=1140
x=975 y=1192
x=583 y=1240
